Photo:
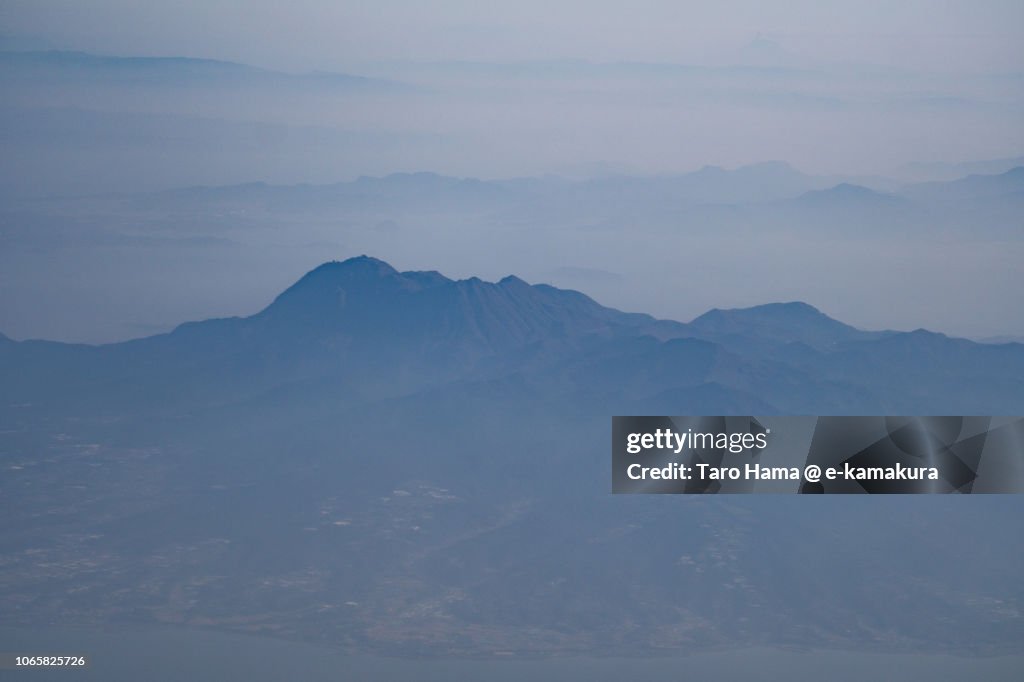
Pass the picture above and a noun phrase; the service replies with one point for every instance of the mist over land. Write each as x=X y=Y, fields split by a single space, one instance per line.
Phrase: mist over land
x=765 y=176
x=878 y=254
x=514 y=221
x=409 y=465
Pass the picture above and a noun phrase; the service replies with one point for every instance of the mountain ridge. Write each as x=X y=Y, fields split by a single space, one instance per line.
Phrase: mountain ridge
x=420 y=464
x=367 y=269
x=362 y=328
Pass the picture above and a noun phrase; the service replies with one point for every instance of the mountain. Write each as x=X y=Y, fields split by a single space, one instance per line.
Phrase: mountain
x=546 y=196
x=765 y=181
x=403 y=463
x=990 y=204
x=755 y=182
x=414 y=192
x=972 y=187
x=853 y=209
x=371 y=326
x=1002 y=339
x=844 y=209
x=360 y=320
x=368 y=301
x=778 y=322
x=55 y=66
x=846 y=195
x=939 y=171
x=698 y=200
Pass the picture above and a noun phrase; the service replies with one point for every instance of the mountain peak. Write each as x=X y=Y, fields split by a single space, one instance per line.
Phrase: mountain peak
x=361 y=267
x=364 y=302
x=512 y=281
x=847 y=189
x=363 y=262
x=848 y=193
x=791 y=321
x=790 y=310
x=326 y=287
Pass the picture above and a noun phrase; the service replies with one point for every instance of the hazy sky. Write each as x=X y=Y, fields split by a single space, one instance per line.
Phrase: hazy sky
x=874 y=87
x=946 y=34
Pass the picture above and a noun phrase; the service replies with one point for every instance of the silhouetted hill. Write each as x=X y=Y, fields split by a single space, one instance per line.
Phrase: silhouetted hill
x=846 y=195
x=794 y=322
x=972 y=187
x=755 y=182
x=365 y=298
x=383 y=332
x=939 y=171
x=709 y=185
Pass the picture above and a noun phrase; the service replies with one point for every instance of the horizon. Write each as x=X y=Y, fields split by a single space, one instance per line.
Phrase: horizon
x=811 y=88
x=984 y=31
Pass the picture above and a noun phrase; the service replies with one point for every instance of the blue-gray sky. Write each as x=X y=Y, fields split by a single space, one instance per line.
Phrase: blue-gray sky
x=870 y=92
x=950 y=34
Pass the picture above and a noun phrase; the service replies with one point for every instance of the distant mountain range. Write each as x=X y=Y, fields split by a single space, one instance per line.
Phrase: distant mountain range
x=849 y=194
x=754 y=184
x=362 y=320
x=35 y=68
x=1007 y=183
x=952 y=171
x=408 y=464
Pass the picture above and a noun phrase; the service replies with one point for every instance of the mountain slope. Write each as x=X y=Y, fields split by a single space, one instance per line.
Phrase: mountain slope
x=359 y=321
x=361 y=328
x=778 y=322
x=849 y=196
x=401 y=463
